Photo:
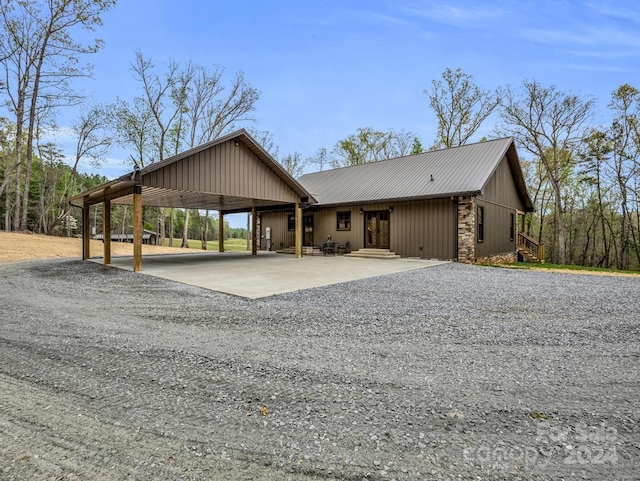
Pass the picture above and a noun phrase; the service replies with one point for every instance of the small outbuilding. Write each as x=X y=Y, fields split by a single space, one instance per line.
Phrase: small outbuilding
x=126 y=235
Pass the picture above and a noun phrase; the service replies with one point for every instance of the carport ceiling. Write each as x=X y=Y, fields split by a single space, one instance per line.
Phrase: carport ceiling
x=153 y=196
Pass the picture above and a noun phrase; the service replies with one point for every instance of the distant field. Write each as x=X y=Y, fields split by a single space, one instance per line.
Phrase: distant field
x=232 y=245
x=18 y=246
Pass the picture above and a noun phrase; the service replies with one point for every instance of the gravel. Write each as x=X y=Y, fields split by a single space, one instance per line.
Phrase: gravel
x=448 y=372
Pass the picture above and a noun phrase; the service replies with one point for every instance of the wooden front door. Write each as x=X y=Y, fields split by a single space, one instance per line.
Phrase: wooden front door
x=376 y=230
x=307 y=223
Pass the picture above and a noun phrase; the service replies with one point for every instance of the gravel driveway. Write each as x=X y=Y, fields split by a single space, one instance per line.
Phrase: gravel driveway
x=450 y=372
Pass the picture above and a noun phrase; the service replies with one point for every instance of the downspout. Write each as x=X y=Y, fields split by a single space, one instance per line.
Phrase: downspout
x=82 y=209
x=455 y=227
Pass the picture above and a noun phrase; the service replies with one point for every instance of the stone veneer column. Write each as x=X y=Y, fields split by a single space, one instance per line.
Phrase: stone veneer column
x=466 y=229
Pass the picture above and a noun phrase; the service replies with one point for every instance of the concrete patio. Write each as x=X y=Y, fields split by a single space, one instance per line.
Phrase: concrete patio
x=268 y=273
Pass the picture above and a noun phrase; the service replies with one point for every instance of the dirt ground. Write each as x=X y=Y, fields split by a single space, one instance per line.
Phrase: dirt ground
x=16 y=247
x=26 y=246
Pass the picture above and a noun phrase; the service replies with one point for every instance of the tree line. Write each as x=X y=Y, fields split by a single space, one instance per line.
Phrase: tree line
x=582 y=177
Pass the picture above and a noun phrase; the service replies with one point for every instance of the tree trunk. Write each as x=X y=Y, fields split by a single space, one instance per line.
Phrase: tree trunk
x=205 y=230
x=162 y=234
x=18 y=199
x=7 y=209
x=185 y=232
x=171 y=230
x=605 y=243
x=561 y=256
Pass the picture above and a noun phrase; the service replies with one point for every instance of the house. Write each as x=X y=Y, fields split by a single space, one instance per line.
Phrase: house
x=462 y=203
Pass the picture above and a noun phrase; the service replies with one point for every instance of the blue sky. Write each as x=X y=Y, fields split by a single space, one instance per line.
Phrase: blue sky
x=326 y=68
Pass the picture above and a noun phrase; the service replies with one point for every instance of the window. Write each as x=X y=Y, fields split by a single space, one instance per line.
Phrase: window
x=291 y=222
x=512 y=229
x=481 y=223
x=343 y=220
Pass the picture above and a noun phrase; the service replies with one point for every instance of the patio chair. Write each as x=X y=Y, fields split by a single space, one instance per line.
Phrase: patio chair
x=329 y=248
x=316 y=247
x=343 y=247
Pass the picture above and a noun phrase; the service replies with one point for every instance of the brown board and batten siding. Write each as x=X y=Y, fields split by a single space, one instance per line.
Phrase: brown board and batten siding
x=421 y=228
x=224 y=169
x=424 y=228
x=500 y=200
x=281 y=236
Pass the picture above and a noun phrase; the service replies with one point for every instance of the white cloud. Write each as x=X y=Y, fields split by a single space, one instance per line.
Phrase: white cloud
x=593 y=67
x=607 y=10
x=458 y=15
x=588 y=36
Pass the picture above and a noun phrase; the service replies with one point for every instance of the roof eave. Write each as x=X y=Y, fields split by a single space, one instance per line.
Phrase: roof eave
x=470 y=193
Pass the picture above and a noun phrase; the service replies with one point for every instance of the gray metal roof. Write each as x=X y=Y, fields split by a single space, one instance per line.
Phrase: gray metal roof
x=121 y=188
x=460 y=170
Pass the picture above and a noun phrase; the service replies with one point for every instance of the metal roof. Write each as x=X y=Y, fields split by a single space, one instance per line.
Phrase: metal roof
x=120 y=190
x=242 y=136
x=462 y=170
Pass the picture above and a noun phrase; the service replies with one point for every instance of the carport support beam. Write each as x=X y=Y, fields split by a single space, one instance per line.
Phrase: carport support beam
x=86 y=232
x=137 y=228
x=220 y=232
x=106 y=232
x=254 y=235
x=298 y=220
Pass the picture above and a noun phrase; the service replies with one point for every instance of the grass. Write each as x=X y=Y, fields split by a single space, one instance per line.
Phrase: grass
x=548 y=265
x=231 y=245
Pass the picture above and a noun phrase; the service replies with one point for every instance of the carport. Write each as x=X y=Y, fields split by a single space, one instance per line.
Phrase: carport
x=231 y=174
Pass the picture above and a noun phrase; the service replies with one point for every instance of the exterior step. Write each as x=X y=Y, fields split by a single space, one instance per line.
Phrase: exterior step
x=527 y=255
x=306 y=251
x=374 y=254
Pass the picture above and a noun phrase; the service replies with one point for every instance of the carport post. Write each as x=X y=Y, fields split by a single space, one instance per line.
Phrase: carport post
x=298 y=220
x=86 y=232
x=254 y=236
x=221 y=232
x=137 y=228
x=106 y=232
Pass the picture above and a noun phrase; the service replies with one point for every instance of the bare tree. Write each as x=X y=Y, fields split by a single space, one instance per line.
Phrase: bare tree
x=40 y=57
x=370 y=145
x=625 y=165
x=190 y=105
x=460 y=107
x=236 y=105
x=548 y=124
x=165 y=96
x=320 y=159
x=293 y=164
x=135 y=128
x=265 y=139
x=92 y=144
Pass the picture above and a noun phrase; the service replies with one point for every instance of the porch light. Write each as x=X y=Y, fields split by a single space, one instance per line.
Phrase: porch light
x=361 y=210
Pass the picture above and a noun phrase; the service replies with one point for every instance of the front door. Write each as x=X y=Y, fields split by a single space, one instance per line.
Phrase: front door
x=307 y=223
x=376 y=234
